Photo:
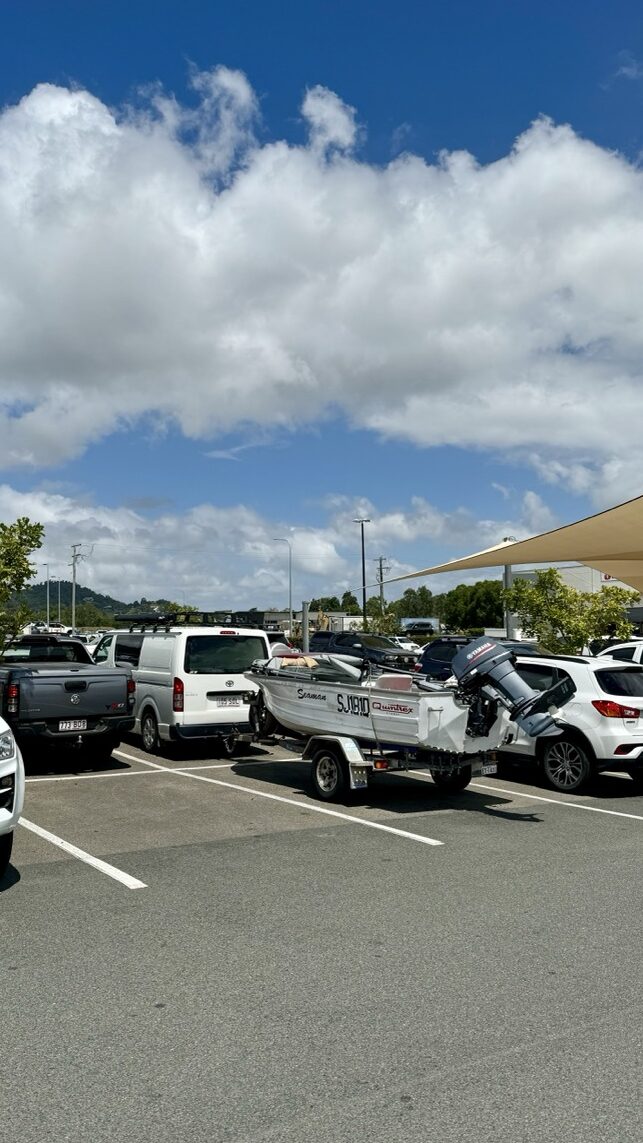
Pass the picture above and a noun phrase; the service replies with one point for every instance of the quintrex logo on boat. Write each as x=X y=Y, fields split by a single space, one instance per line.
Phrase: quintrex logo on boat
x=392 y=707
x=353 y=704
x=302 y=694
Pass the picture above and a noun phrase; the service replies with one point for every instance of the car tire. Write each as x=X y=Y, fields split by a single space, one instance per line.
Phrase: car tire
x=567 y=763
x=452 y=783
x=329 y=774
x=150 y=733
x=6 y=845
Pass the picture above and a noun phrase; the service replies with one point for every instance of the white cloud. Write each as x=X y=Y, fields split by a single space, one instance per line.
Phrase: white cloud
x=228 y=557
x=163 y=264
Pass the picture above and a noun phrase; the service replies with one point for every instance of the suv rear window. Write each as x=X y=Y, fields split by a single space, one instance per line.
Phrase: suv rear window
x=222 y=654
x=628 y=681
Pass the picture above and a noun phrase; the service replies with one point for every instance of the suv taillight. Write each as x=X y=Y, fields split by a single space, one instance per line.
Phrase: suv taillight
x=177 y=694
x=610 y=709
x=13 y=698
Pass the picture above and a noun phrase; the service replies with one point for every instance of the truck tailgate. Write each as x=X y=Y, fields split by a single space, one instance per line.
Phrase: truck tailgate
x=75 y=693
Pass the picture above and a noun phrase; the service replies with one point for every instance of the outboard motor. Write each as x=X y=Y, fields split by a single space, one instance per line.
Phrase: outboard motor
x=484 y=665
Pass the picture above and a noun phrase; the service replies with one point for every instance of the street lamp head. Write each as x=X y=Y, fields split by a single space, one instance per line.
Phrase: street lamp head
x=364 y=520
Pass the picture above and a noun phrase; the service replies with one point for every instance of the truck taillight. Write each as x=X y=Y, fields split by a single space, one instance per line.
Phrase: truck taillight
x=13 y=698
x=131 y=694
x=610 y=709
x=177 y=694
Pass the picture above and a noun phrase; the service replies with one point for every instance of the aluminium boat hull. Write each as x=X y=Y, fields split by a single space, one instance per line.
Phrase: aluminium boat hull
x=377 y=712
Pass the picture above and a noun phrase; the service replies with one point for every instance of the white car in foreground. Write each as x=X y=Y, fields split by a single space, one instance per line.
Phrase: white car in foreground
x=601 y=726
x=12 y=792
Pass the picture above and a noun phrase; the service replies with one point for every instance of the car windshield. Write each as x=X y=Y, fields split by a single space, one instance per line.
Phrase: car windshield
x=379 y=642
x=46 y=653
x=624 y=681
x=220 y=654
x=526 y=648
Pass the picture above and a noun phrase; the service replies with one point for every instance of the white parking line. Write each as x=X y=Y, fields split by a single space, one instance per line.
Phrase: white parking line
x=147 y=773
x=556 y=801
x=74 y=851
x=85 y=777
x=287 y=801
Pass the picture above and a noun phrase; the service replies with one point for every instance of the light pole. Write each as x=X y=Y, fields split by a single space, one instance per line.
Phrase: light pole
x=362 y=522
x=283 y=540
x=47 y=567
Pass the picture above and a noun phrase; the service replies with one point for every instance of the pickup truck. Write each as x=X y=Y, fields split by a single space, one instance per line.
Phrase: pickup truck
x=53 y=694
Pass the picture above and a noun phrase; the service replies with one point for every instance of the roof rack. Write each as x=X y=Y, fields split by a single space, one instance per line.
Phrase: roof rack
x=156 y=621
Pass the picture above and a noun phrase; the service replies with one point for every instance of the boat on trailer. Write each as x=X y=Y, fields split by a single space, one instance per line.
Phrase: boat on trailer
x=327 y=694
x=369 y=719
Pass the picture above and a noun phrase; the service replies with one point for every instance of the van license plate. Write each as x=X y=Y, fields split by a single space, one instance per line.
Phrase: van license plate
x=229 y=700
x=72 y=724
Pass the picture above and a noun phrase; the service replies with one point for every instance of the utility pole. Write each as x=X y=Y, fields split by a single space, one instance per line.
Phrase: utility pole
x=59 y=599
x=75 y=557
x=361 y=523
x=381 y=572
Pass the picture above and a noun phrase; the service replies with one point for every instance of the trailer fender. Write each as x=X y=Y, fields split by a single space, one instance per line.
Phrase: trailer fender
x=357 y=767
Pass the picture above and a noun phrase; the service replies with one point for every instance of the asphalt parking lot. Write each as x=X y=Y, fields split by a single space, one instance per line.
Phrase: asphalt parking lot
x=220 y=957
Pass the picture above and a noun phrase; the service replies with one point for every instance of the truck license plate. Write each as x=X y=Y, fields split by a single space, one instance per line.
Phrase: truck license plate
x=229 y=700
x=490 y=768
x=72 y=724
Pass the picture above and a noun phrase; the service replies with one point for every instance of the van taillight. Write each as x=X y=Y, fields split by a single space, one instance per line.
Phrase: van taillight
x=610 y=709
x=13 y=698
x=177 y=694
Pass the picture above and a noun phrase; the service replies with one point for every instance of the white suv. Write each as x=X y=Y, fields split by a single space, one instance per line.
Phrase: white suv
x=601 y=726
x=12 y=792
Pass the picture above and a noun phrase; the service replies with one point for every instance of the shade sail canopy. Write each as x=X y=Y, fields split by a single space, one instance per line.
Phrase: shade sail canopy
x=610 y=541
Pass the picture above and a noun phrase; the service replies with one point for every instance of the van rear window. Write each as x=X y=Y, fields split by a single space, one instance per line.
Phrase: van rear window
x=222 y=654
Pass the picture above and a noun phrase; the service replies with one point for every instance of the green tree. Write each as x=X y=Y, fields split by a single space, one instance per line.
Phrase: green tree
x=565 y=619
x=471 y=605
x=325 y=603
x=17 y=542
x=349 y=604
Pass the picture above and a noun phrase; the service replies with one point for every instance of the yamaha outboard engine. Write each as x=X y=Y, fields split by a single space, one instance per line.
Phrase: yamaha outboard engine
x=484 y=665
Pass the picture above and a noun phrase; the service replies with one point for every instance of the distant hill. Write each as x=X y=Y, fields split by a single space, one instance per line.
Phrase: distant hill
x=35 y=598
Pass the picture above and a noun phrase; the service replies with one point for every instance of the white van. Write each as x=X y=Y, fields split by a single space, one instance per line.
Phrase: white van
x=189 y=680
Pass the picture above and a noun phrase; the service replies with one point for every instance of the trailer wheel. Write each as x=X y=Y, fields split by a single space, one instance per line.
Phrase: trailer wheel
x=452 y=783
x=328 y=774
x=6 y=844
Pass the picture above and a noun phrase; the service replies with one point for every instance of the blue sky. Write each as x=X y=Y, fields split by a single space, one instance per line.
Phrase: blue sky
x=269 y=267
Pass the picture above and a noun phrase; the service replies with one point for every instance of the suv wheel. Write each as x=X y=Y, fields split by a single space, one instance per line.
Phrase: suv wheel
x=567 y=764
